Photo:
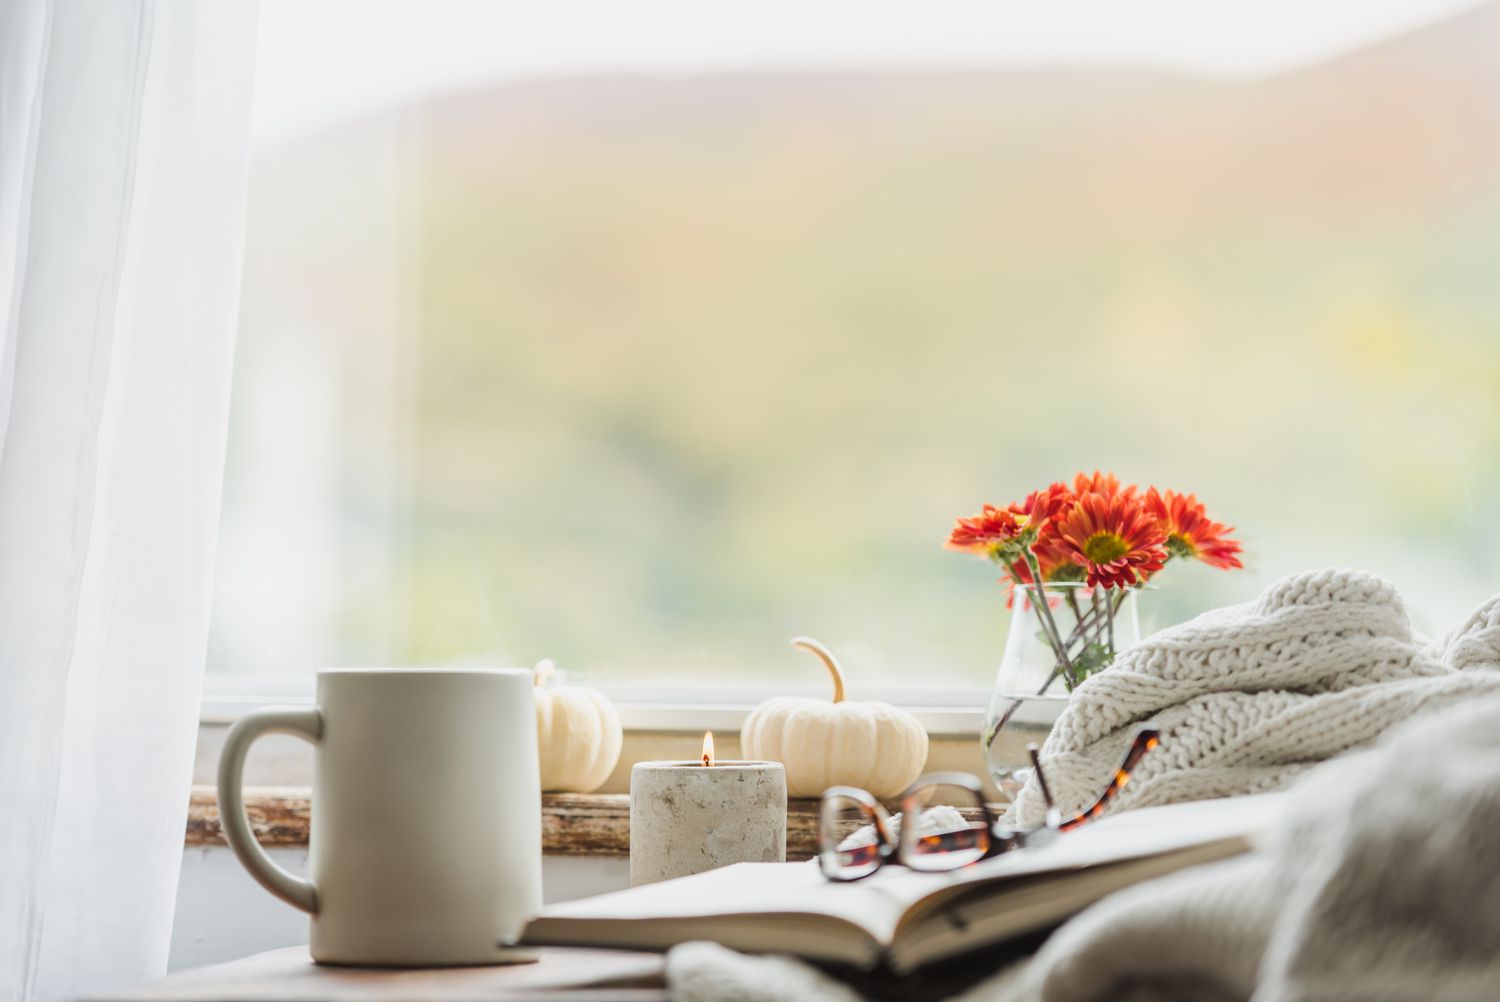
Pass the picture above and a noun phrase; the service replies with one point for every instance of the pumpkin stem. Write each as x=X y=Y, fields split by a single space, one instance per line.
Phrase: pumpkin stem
x=826 y=656
x=540 y=673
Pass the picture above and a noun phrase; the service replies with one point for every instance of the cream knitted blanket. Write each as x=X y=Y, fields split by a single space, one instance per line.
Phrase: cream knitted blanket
x=1248 y=696
x=1384 y=883
x=1381 y=885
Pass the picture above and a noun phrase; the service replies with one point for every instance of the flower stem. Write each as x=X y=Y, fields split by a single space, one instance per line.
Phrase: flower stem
x=1071 y=594
x=1109 y=608
x=1010 y=711
x=1049 y=628
x=1044 y=612
x=1085 y=624
x=1056 y=671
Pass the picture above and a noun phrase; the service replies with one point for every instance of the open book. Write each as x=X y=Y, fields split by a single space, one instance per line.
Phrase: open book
x=902 y=919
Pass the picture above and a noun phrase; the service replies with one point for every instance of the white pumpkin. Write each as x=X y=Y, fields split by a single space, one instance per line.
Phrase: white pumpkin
x=578 y=735
x=871 y=745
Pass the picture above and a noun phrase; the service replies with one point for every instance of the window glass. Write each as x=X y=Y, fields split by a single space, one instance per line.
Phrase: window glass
x=646 y=342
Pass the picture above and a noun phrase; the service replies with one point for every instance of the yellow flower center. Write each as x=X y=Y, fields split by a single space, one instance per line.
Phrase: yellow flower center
x=1180 y=546
x=1105 y=547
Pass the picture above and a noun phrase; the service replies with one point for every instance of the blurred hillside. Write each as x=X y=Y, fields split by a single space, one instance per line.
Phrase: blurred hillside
x=648 y=374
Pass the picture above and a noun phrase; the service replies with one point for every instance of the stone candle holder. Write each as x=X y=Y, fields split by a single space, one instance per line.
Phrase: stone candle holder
x=687 y=817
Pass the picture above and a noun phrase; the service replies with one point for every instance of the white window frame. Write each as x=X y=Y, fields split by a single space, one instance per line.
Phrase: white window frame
x=945 y=713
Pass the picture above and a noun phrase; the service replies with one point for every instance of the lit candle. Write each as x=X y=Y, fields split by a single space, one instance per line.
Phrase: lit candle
x=687 y=817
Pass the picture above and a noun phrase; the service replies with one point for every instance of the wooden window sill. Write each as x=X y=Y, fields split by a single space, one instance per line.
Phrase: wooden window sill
x=596 y=824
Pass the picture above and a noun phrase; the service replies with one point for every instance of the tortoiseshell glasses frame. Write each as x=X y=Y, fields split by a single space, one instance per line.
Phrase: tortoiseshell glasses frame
x=946 y=850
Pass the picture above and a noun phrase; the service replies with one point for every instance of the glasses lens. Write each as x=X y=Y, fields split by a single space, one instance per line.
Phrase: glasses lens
x=943 y=826
x=848 y=844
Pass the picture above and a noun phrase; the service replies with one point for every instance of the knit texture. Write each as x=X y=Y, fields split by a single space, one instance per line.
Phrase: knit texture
x=1248 y=696
x=706 y=972
x=1382 y=882
x=1380 y=886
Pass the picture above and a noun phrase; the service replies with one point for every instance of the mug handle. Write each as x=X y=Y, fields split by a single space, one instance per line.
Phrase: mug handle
x=306 y=724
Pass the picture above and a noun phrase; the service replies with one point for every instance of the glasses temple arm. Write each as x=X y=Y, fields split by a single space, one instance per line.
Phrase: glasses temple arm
x=1147 y=739
x=1052 y=817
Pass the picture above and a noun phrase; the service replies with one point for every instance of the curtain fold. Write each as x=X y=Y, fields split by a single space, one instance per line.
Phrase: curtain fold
x=123 y=147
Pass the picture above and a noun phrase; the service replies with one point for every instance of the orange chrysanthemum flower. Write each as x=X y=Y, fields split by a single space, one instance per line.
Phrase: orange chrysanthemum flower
x=1115 y=539
x=1055 y=562
x=1102 y=483
x=1042 y=506
x=988 y=531
x=1190 y=532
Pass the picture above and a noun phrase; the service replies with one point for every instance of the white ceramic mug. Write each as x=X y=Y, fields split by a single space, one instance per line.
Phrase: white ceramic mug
x=426 y=840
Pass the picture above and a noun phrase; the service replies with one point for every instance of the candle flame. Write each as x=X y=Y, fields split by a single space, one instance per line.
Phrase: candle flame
x=708 y=748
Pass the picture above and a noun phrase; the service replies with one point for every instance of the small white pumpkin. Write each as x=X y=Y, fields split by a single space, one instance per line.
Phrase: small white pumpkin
x=871 y=745
x=578 y=735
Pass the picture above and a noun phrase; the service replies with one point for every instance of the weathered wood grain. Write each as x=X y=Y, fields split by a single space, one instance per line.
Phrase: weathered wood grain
x=586 y=824
x=573 y=824
x=278 y=816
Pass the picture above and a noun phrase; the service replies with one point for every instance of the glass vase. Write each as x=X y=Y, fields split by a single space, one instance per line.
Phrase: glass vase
x=1032 y=685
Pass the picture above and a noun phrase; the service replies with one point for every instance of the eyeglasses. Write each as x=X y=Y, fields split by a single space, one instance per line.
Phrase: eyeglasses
x=946 y=823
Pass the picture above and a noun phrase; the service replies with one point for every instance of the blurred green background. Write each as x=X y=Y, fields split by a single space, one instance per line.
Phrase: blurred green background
x=648 y=374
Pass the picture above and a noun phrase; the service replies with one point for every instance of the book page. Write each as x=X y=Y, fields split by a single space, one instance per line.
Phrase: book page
x=1149 y=831
x=792 y=907
x=994 y=913
x=873 y=906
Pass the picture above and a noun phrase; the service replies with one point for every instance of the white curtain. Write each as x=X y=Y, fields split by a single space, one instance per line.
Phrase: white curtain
x=123 y=144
